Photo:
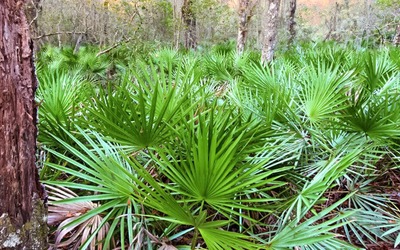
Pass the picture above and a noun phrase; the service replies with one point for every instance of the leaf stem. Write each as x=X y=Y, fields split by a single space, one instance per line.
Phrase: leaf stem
x=194 y=240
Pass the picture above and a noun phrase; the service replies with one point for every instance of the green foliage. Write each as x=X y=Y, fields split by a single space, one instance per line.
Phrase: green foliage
x=374 y=100
x=140 y=112
x=389 y=3
x=214 y=150
x=211 y=165
x=85 y=60
x=61 y=97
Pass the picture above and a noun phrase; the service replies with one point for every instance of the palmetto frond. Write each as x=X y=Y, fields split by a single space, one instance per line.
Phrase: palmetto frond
x=62 y=215
x=211 y=165
x=141 y=111
x=61 y=97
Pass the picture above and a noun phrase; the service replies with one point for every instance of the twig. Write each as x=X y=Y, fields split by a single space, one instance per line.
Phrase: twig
x=58 y=33
x=36 y=14
x=113 y=47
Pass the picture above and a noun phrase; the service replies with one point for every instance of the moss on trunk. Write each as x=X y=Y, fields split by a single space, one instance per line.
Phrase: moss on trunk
x=33 y=233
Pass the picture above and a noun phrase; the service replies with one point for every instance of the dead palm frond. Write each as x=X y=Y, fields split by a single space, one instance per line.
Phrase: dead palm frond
x=67 y=235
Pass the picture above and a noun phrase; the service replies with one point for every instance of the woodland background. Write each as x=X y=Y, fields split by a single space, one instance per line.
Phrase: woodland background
x=159 y=22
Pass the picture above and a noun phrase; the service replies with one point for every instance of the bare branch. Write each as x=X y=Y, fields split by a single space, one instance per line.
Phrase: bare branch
x=58 y=33
x=36 y=13
x=113 y=47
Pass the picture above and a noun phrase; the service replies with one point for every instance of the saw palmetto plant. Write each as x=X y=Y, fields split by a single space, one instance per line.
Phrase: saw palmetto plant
x=213 y=150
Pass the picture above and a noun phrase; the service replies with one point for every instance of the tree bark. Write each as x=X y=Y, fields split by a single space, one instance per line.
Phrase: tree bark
x=270 y=30
x=189 y=22
x=177 y=17
x=291 y=21
x=246 y=8
x=396 y=39
x=22 y=210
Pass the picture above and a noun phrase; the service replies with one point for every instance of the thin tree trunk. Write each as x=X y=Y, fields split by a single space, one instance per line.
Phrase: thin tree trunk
x=189 y=22
x=291 y=21
x=59 y=34
x=396 y=39
x=32 y=13
x=177 y=17
x=243 y=24
x=78 y=44
x=22 y=211
x=246 y=8
x=270 y=31
x=333 y=23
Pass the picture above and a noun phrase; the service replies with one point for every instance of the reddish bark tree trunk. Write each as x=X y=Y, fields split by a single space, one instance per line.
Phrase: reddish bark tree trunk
x=189 y=22
x=22 y=212
x=270 y=31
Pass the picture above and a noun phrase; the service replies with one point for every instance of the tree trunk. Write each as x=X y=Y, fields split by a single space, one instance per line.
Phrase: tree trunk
x=189 y=22
x=291 y=21
x=177 y=17
x=22 y=211
x=245 y=14
x=396 y=39
x=333 y=23
x=270 y=30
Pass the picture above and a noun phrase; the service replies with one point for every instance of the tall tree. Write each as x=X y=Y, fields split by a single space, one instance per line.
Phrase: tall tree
x=22 y=211
x=177 y=21
x=189 y=22
x=246 y=8
x=291 y=23
x=270 y=30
